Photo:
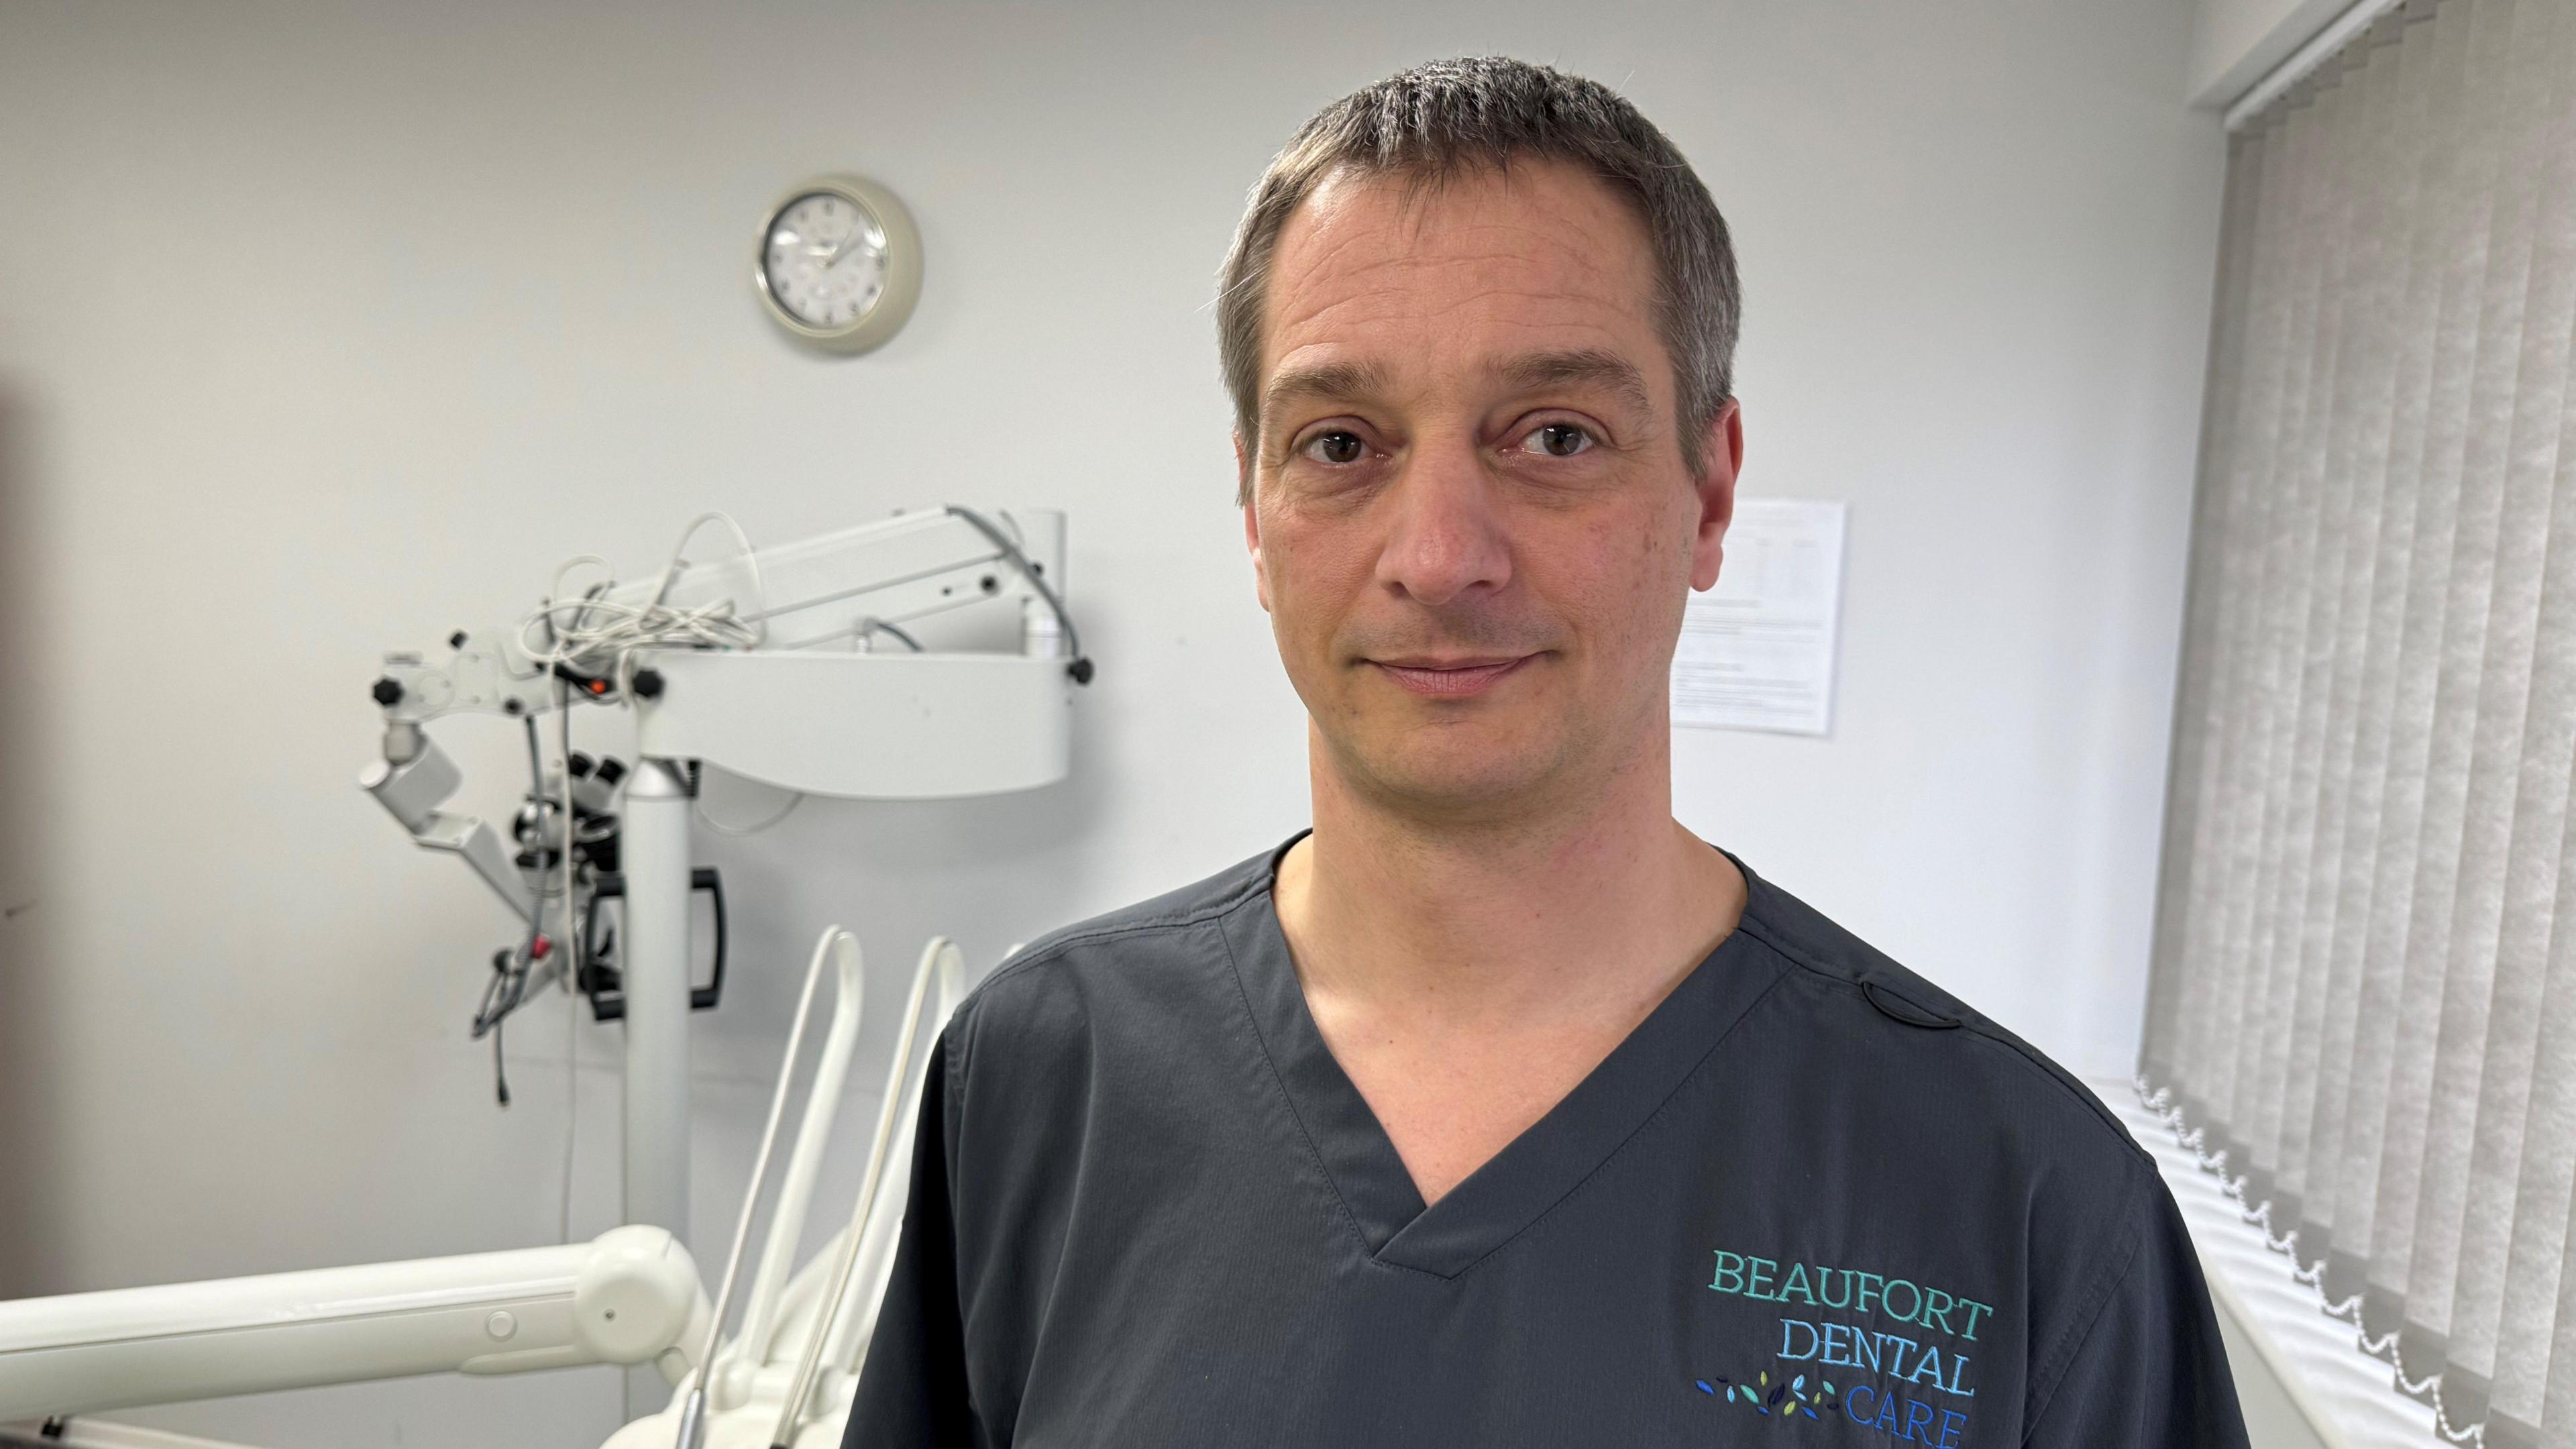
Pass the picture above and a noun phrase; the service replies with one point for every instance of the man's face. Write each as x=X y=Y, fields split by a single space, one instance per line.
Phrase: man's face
x=1473 y=522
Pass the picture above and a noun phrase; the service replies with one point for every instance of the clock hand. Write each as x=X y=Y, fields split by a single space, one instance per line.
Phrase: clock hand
x=857 y=233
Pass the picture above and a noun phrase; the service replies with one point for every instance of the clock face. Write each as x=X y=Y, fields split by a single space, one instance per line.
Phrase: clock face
x=825 y=260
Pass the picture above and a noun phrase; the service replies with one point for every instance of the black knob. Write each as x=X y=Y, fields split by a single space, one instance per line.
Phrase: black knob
x=456 y=640
x=580 y=764
x=1080 y=669
x=610 y=772
x=648 y=684
x=388 y=692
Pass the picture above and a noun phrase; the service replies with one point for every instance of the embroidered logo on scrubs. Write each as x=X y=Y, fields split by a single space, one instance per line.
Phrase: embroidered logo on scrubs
x=1916 y=1386
x=1765 y=1397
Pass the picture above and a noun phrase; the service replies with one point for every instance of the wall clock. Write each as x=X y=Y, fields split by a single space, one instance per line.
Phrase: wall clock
x=839 y=264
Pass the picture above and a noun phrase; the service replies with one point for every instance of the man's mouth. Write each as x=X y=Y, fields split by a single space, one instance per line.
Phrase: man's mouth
x=1449 y=678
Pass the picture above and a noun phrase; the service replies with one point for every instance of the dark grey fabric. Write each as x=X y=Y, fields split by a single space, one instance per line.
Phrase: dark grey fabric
x=1149 y=1209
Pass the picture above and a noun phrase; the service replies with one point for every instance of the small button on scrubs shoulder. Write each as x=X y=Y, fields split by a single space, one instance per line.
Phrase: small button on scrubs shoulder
x=1811 y=1193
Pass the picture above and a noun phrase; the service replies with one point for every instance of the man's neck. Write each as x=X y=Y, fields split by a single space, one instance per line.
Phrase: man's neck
x=1592 y=912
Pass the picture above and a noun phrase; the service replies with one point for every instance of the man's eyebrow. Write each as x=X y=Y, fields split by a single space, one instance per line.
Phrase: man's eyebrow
x=1601 y=369
x=1323 y=380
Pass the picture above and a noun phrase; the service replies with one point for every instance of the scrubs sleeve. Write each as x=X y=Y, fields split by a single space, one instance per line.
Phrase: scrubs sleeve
x=2150 y=1372
x=912 y=1387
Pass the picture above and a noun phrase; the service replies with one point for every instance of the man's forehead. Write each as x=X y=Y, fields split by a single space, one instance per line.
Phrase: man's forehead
x=1486 y=272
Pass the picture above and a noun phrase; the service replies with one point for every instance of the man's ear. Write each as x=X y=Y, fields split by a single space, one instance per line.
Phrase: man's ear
x=1722 y=457
x=1251 y=527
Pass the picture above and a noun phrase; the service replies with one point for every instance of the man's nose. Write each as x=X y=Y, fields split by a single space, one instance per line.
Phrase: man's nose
x=1447 y=537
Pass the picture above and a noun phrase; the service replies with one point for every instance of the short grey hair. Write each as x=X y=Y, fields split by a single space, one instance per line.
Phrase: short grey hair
x=1453 y=117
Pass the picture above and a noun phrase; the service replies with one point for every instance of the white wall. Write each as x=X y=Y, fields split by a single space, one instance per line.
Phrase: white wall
x=325 y=329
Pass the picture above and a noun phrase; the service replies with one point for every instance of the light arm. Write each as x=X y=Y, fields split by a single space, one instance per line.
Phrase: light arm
x=801 y=595
x=631 y=1296
x=414 y=786
x=825 y=589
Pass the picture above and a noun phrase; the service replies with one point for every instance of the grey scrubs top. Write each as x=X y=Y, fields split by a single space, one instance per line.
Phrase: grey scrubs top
x=1811 y=1200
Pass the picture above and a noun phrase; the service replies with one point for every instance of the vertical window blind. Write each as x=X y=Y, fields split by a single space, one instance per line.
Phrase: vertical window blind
x=2362 y=1010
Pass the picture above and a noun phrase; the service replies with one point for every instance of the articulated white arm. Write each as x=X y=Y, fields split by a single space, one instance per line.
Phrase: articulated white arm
x=821 y=592
x=413 y=788
x=631 y=1296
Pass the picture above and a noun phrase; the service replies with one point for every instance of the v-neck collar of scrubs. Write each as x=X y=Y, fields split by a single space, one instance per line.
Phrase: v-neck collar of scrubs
x=1533 y=1172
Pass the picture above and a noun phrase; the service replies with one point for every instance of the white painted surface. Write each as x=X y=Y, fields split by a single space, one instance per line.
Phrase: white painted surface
x=2235 y=43
x=325 y=330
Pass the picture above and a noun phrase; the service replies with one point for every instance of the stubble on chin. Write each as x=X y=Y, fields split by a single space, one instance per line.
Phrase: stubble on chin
x=1449 y=773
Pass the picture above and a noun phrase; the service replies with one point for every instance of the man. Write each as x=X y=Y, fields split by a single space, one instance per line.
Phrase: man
x=1498 y=1110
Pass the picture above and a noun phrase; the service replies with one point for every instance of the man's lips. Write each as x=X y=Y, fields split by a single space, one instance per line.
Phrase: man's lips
x=1449 y=679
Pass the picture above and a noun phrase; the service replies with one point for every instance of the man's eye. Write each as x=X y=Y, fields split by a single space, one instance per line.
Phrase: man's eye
x=1558 y=440
x=1335 y=447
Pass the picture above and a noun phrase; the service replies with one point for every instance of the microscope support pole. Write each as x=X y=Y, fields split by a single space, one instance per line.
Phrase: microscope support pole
x=656 y=983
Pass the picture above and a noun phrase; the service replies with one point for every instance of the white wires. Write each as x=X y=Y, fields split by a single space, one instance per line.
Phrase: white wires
x=720 y=828
x=592 y=635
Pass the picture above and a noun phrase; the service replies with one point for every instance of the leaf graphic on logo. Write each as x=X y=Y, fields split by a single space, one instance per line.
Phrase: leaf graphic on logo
x=1798 y=1385
x=1703 y=1386
x=1778 y=1392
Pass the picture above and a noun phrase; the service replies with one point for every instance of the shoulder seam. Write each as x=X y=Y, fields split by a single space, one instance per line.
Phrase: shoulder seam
x=2028 y=1055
